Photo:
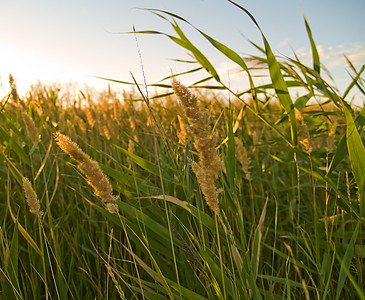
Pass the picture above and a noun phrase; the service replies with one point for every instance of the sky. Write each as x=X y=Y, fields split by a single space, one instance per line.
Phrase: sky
x=76 y=40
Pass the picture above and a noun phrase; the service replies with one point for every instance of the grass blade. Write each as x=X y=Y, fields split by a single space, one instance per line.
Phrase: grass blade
x=315 y=55
x=346 y=261
x=356 y=151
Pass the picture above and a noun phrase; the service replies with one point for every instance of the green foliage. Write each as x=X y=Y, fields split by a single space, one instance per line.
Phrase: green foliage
x=291 y=222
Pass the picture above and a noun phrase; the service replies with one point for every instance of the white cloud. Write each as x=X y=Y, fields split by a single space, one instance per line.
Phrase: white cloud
x=334 y=56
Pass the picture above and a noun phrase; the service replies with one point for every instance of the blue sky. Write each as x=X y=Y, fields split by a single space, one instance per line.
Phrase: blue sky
x=73 y=39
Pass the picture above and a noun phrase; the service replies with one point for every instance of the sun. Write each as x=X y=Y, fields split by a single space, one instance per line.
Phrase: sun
x=27 y=68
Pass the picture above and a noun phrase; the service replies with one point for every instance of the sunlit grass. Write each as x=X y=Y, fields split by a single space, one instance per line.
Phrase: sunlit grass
x=286 y=219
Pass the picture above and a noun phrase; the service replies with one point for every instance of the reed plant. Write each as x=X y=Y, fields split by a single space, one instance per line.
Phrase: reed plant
x=183 y=195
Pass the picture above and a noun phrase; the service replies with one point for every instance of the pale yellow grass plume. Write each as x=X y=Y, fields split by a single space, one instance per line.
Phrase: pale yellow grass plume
x=331 y=136
x=303 y=134
x=71 y=129
x=207 y=171
x=182 y=133
x=117 y=109
x=90 y=118
x=243 y=158
x=131 y=149
x=106 y=132
x=38 y=108
x=80 y=123
x=90 y=168
x=31 y=129
x=105 y=107
x=31 y=197
x=14 y=92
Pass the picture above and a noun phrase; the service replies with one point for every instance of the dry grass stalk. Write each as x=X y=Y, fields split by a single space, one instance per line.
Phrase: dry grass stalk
x=304 y=285
x=207 y=171
x=243 y=158
x=31 y=129
x=31 y=197
x=90 y=168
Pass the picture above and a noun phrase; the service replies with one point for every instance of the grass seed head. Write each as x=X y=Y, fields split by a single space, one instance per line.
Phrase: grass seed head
x=31 y=197
x=14 y=91
x=31 y=129
x=90 y=118
x=207 y=171
x=71 y=148
x=304 y=137
x=89 y=167
x=243 y=158
x=97 y=180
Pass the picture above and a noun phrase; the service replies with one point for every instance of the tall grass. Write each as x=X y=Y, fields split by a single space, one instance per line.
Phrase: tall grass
x=286 y=219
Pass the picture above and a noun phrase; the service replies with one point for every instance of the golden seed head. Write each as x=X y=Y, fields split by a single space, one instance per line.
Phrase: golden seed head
x=182 y=134
x=207 y=185
x=106 y=132
x=31 y=129
x=14 y=92
x=81 y=124
x=187 y=98
x=31 y=197
x=207 y=171
x=90 y=118
x=90 y=168
x=243 y=158
x=331 y=136
x=97 y=180
x=304 y=137
x=112 y=208
x=70 y=147
x=117 y=109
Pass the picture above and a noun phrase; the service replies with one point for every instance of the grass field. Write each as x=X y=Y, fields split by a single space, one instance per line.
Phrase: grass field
x=183 y=195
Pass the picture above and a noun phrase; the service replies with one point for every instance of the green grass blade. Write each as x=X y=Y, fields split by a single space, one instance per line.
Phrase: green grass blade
x=277 y=79
x=256 y=245
x=204 y=62
x=231 y=154
x=346 y=261
x=341 y=150
x=354 y=80
x=302 y=101
x=11 y=289
x=356 y=151
x=232 y=55
x=315 y=55
x=281 y=88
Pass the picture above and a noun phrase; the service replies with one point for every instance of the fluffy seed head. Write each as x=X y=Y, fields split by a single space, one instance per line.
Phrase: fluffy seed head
x=243 y=158
x=97 y=180
x=207 y=171
x=112 y=208
x=90 y=168
x=14 y=92
x=70 y=147
x=303 y=133
x=31 y=129
x=90 y=118
x=31 y=197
